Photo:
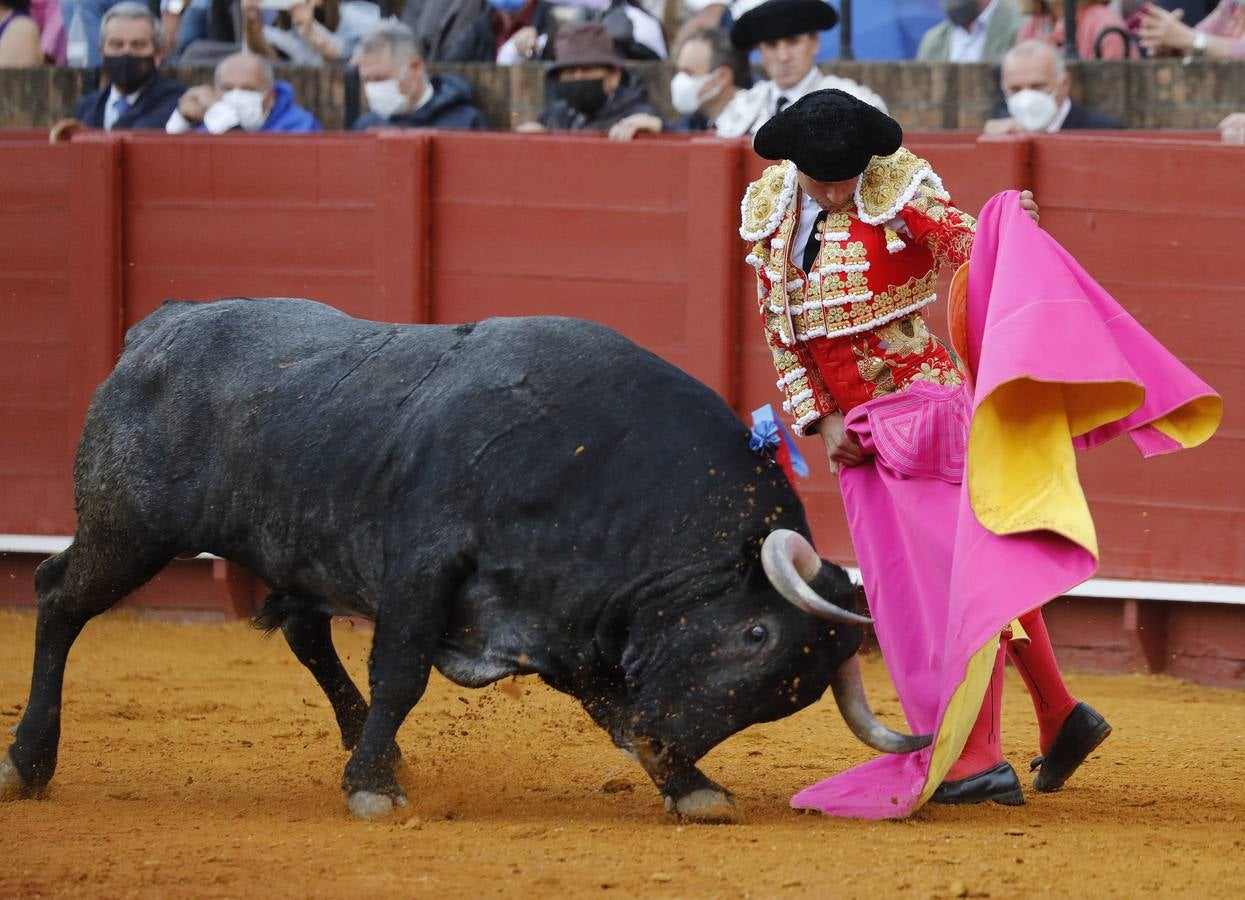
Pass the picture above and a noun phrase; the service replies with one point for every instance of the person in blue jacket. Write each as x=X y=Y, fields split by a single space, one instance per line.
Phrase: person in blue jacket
x=245 y=96
x=400 y=93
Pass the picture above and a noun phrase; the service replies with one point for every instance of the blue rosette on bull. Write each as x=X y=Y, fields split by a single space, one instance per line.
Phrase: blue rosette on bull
x=770 y=438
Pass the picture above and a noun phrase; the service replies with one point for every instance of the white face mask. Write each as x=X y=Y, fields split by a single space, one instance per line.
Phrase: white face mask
x=1034 y=110
x=685 y=91
x=247 y=106
x=385 y=98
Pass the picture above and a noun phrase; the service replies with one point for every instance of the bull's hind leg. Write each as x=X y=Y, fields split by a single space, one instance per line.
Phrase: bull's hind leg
x=403 y=647
x=308 y=631
x=72 y=588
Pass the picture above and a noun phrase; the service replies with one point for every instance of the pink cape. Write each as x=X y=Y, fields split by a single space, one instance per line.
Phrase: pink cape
x=948 y=561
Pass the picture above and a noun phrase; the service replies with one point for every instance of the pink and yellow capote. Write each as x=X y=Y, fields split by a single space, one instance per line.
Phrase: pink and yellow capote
x=970 y=513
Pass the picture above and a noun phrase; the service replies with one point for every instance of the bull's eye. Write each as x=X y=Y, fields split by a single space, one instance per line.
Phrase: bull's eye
x=757 y=634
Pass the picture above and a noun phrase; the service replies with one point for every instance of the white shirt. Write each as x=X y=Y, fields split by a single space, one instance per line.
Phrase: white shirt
x=809 y=211
x=111 y=113
x=804 y=86
x=1057 y=122
x=966 y=46
x=425 y=99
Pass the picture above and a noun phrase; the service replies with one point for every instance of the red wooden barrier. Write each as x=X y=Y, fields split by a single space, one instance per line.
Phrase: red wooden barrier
x=452 y=227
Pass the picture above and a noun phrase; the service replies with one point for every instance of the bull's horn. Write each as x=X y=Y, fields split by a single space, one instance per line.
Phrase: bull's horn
x=849 y=694
x=791 y=563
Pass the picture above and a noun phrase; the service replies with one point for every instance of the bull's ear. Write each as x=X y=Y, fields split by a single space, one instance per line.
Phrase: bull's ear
x=754 y=575
x=833 y=583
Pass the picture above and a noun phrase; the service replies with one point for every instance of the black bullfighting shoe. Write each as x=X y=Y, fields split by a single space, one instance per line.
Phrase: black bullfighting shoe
x=1079 y=735
x=998 y=783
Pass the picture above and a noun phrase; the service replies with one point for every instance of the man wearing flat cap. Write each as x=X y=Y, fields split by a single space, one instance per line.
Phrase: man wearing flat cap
x=847 y=233
x=787 y=35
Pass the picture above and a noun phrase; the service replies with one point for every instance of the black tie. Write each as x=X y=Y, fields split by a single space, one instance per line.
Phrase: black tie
x=778 y=107
x=814 y=241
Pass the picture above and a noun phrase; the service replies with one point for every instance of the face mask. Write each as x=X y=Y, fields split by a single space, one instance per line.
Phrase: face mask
x=961 y=12
x=128 y=73
x=385 y=98
x=1034 y=110
x=685 y=91
x=248 y=106
x=510 y=7
x=586 y=95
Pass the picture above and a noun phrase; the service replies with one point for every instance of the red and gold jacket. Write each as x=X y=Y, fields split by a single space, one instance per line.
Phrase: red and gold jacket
x=851 y=328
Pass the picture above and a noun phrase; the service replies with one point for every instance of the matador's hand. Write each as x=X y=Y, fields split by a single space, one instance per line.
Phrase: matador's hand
x=1029 y=205
x=842 y=448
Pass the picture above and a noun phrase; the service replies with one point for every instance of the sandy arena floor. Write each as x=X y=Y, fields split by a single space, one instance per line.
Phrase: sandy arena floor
x=202 y=761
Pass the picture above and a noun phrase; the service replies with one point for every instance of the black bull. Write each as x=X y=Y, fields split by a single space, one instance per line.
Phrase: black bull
x=530 y=495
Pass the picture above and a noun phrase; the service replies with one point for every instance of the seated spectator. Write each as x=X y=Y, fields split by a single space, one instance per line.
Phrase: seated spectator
x=588 y=87
x=296 y=36
x=974 y=31
x=137 y=96
x=497 y=26
x=399 y=91
x=19 y=35
x=710 y=72
x=245 y=95
x=1101 y=33
x=1232 y=129
x=1221 y=35
x=787 y=34
x=1035 y=84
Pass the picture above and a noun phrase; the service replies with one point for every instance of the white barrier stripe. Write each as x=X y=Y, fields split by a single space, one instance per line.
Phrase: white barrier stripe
x=1107 y=588
x=1122 y=589
x=46 y=545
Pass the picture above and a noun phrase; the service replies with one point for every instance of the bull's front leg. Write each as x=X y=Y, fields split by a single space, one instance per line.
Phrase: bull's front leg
x=408 y=631
x=689 y=794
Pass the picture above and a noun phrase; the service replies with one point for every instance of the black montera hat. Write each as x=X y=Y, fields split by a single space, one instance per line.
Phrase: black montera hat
x=775 y=19
x=829 y=135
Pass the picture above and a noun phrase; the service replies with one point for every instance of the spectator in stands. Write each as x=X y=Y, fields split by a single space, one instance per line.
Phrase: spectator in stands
x=974 y=31
x=137 y=96
x=1221 y=35
x=245 y=96
x=19 y=35
x=1232 y=129
x=588 y=87
x=710 y=73
x=1035 y=84
x=498 y=25
x=399 y=91
x=297 y=37
x=439 y=23
x=787 y=34
x=1101 y=33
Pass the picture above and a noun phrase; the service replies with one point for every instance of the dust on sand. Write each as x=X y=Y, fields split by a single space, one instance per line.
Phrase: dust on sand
x=202 y=761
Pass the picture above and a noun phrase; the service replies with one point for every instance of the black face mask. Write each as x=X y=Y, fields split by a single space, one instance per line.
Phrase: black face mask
x=586 y=95
x=129 y=73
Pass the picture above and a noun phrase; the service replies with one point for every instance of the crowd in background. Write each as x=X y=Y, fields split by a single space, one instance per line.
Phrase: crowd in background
x=587 y=47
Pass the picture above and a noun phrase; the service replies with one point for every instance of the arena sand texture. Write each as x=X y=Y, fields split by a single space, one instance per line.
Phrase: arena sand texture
x=200 y=760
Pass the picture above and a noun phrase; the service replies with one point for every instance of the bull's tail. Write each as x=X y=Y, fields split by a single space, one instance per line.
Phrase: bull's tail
x=276 y=609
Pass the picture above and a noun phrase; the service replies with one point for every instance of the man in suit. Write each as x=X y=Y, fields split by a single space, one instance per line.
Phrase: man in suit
x=973 y=31
x=1035 y=86
x=131 y=45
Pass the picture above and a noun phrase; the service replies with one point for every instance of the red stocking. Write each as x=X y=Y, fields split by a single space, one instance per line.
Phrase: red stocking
x=1036 y=664
x=984 y=750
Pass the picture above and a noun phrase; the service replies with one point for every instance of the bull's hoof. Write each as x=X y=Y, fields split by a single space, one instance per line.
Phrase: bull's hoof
x=12 y=785
x=369 y=806
x=705 y=806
